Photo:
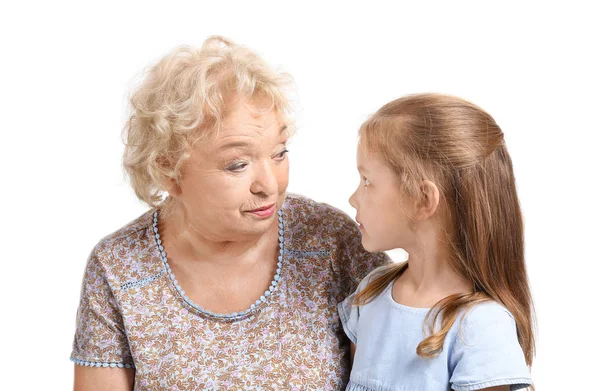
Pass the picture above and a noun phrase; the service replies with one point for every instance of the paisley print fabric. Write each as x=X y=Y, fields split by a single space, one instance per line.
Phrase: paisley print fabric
x=131 y=315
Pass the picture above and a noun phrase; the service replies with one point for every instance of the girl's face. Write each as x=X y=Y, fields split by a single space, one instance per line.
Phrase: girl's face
x=383 y=209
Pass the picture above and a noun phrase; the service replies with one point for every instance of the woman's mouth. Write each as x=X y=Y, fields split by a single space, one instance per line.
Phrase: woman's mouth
x=264 y=211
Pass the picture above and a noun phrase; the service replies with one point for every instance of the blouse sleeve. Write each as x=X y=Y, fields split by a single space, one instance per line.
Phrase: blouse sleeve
x=349 y=315
x=487 y=353
x=100 y=339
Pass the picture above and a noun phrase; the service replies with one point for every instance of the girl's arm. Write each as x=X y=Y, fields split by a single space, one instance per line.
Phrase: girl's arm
x=352 y=351
x=103 y=379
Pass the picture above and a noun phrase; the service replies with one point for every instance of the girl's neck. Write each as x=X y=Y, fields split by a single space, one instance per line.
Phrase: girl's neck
x=429 y=276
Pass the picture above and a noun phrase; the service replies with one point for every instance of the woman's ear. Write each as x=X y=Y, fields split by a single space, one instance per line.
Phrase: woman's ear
x=172 y=187
x=429 y=200
x=168 y=184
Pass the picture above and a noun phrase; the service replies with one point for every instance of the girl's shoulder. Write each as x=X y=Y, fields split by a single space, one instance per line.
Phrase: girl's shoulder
x=485 y=324
x=487 y=314
x=486 y=351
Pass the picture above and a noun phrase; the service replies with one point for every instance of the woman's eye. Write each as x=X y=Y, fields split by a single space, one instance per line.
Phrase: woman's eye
x=237 y=167
x=281 y=154
x=366 y=181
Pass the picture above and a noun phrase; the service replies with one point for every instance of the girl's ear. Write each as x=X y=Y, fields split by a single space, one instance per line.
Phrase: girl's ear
x=429 y=200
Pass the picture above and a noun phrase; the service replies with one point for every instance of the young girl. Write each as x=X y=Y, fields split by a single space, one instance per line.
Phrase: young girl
x=437 y=181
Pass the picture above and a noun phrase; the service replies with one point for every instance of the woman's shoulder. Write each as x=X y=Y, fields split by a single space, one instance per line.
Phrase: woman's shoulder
x=303 y=207
x=127 y=253
x=306 y=212
x=313 y=223
x=134 y=228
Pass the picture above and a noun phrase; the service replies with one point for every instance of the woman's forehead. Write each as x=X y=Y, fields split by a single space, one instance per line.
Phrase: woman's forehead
x=248 y=136
x=274 y=129
x=246 y=126
x=250 y=113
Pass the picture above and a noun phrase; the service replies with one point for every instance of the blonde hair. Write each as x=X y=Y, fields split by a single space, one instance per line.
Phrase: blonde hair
x=461 y=149
x=184 y=98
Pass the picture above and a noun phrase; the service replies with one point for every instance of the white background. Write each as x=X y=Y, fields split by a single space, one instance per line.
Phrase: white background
x=66 y=70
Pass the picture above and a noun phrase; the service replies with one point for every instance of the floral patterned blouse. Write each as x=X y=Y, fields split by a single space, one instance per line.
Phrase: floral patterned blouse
x=133 y=314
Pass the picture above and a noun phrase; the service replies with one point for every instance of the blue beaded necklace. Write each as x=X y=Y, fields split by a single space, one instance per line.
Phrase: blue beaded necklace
x=236 y=315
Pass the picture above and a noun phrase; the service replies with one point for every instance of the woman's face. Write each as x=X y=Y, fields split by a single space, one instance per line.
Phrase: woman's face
x=233 y=185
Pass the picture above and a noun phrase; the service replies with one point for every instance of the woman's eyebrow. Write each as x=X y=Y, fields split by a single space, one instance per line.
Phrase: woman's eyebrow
x=234 y=144
x=243 y=144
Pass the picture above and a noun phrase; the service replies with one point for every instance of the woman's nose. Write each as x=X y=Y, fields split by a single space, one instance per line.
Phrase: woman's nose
x=265 y=180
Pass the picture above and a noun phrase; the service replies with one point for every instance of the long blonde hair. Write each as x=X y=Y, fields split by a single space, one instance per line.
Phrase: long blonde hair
x=460 y=148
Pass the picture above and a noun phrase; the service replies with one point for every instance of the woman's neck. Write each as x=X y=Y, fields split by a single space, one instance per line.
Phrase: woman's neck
x=187 y=241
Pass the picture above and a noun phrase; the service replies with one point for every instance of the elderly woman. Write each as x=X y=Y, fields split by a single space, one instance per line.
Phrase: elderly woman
x=227 y=282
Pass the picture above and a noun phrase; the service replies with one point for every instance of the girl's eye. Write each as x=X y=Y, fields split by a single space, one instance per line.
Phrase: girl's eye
x=281 y=154
x=236 y=167
x=367 y=182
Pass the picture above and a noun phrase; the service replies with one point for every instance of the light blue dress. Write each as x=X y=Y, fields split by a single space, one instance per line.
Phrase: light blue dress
x=481 y=352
